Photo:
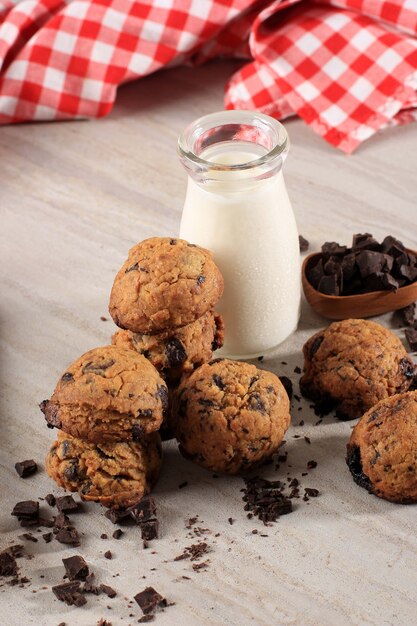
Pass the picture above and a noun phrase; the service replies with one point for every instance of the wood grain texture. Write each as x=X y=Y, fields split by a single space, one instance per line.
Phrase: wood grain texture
x=73 y=198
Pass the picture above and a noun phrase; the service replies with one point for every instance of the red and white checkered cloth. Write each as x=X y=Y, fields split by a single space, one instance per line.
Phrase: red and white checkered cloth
x=347 y=67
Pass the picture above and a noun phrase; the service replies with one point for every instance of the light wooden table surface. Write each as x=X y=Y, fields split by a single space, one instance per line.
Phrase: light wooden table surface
x=74 y=197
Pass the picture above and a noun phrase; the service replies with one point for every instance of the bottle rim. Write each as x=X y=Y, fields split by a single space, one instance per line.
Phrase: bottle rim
x=202 y=128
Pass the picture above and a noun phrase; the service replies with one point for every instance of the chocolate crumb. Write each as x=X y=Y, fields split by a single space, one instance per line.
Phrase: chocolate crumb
x=68 y=535
x=117 y=533
x=108 y=555
x=103 y=319
x=307 y=440
x=109 y=591
x=297 y=370
x=50 y=499
x=47 y=537
x=103 y=536
x=28 y=537
x=311 y=464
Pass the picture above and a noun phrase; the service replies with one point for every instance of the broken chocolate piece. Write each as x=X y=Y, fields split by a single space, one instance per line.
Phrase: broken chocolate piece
x=150 y=529
x=328 y=285
x=304 y=244
x=108 y=555
x=68 y=535
x=50 y=499
x=143 y=511
x=66 y=504
x=26 y=509
x=26 y=468
x=109 y=591
x=117 y=533
x=8 y=565
x=411 y=336
x=69 y=593
x=150 y=600
x=76 y=568
x=117 y=516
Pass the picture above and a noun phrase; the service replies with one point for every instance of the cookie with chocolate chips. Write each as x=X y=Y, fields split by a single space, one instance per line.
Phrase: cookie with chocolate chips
x=230 y=416
x=381 y=453
x=353 y=364
x=108 y=394
x=116 y=475
x=178 y=352
x=164 y=284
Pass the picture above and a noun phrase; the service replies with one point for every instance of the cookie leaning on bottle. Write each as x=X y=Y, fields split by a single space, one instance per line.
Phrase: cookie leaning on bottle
x=109 y=394
x=164 y=284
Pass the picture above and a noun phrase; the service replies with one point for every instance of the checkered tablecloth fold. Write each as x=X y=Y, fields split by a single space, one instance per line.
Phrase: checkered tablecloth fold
x=348 y=68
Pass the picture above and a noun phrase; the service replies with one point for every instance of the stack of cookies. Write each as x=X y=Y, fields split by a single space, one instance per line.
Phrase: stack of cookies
x=163 y=300
x=109 y=405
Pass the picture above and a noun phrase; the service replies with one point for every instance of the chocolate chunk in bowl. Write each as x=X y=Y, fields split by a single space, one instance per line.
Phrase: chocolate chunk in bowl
x=366 y=279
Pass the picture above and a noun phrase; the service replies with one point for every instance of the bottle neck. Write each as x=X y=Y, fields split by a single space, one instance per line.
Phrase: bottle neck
x=233 y=150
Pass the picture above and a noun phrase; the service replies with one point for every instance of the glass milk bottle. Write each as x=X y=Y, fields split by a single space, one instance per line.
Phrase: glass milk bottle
x=237 y=206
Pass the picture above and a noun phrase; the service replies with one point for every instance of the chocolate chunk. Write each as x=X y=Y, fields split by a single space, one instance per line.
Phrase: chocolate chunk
x=71 y=471
x=354 y=463
x=162 y=393
x=117 y=533
x=175 y=352
x=315 y=345
x=150 y=529
x=51 y=412
x=68 y=535
x=61 y=520
x=97 y=368
x=371 y=262
x=69 y=593
x=8 y=565
x=218 y=381
x=205 y=402
x=67 y=377
x=108 y=555
x=311 y=464
x=255 y=403
x=331 y=248
x=150 y=600
x=328 y=285
x=66 y=504
x=146 y=618
x=200 y=279
x=381 y=281
x=137 y=432
x=408 y=272
x=392 y=246
x=144 y=510
x=109 y=591
x=132 y=268
x=26 y=468
x=76 y=568
x=364 y=242
x=406 y=367
x=117 y=516
x=411 y=336
x=28 y=537
x=407 y=315
x=287 y=384
x=28 y=509
x=312 y=493
x=50 y=499
x=303 y=243
x=315 y=273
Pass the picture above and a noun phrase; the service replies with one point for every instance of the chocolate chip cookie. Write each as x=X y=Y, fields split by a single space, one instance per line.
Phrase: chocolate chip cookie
x=180 y=351
x=109 y=394
x=116 y=475
x=164 y=284
x=353 y=364
x=230 y=416
x=382 y=451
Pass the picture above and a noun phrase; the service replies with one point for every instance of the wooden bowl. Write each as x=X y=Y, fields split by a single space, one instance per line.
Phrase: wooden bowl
x=361 y=305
